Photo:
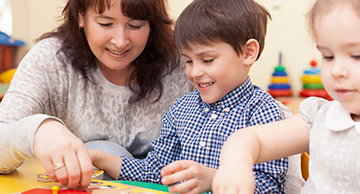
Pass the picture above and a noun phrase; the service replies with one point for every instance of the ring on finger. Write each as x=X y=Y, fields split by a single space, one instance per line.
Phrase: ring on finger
x=58 y=166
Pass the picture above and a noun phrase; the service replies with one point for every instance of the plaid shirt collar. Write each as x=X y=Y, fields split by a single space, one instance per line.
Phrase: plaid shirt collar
x=237 y=96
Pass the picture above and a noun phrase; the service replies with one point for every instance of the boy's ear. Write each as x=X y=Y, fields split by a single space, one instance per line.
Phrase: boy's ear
x=81 y=20
x=251 y=51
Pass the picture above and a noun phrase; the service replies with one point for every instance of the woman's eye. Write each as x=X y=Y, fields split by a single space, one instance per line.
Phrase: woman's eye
x=188 y=61
x=105 y=24
x=134 y=26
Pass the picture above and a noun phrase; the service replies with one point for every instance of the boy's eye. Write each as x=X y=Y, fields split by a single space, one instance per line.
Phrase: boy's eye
x=208 y=60
x=105 y=24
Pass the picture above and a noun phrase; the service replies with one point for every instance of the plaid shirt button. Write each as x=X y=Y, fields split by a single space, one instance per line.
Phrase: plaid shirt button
x=213 y=116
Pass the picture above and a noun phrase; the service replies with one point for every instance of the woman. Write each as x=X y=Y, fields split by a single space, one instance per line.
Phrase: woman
x=109 y=72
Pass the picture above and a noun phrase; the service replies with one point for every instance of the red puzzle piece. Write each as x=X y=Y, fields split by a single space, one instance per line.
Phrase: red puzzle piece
x=49 y=191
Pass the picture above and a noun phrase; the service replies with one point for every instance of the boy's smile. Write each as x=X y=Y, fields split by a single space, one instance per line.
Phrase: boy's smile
x=215 y=70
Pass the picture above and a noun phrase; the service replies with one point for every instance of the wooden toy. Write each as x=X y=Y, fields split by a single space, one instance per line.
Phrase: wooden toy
x=279 y=86
x=55 y=189
x=312 y=85
x=6 y=76
x=97 y=174
x=8 y=51
x=104 y=187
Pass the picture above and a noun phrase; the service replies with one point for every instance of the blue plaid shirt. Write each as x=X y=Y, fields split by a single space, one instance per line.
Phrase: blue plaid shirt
x=194 y=130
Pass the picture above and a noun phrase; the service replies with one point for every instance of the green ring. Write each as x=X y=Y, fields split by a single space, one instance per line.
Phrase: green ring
x=313 y=86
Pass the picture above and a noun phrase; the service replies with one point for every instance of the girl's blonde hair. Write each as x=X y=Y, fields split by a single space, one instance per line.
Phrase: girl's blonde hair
x=322 y=7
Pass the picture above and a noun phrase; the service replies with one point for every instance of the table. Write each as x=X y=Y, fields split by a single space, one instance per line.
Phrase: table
x=293 y=104
x=24 y=178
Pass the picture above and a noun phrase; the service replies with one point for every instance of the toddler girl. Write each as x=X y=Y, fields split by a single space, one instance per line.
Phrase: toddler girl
x=328 y=130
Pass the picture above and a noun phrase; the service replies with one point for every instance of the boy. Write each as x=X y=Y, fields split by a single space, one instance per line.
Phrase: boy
x=220 y=40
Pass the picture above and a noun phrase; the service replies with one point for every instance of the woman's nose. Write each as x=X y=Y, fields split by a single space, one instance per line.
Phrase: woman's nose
x=120 y=38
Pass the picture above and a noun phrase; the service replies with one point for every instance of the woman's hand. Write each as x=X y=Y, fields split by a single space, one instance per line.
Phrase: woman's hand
x=196 y=177
x=55 y=145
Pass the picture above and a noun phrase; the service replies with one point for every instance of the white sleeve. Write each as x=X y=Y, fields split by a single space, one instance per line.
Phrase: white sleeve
x=25 y=106
x=309 y=108
x=17 y=141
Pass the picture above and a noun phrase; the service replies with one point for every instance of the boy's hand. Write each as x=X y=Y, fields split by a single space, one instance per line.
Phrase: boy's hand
x=231 y=179
x=196 y=177
x=111 y=164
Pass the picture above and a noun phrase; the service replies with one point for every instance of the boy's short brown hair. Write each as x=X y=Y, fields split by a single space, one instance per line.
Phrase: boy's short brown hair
x=230 y=21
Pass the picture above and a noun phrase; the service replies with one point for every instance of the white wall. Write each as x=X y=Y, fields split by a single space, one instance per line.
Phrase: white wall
x=287 y=33
x=31 y=18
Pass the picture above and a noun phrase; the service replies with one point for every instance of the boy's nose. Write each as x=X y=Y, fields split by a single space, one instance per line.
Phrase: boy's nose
x=196 y=71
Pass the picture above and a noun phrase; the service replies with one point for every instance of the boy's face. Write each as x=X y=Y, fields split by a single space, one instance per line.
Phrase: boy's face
x=215 y=70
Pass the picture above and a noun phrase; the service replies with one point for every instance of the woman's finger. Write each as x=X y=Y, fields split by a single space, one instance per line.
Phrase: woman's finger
x=73 y=171
x=85 y=166
x=60 y=171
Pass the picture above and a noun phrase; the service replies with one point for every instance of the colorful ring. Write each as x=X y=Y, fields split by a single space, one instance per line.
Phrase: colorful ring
x=308 y=79
x=313 y=86
x=279 y=79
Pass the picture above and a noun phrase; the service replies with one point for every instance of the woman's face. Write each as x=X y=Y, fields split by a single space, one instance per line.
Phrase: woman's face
x=115 y=40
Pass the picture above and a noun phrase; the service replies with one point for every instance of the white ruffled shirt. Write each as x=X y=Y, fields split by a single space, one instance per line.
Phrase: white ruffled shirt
x=334 y=165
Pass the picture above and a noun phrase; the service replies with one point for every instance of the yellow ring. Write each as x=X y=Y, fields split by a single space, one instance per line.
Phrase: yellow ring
x=279 y=80
x=307 y=79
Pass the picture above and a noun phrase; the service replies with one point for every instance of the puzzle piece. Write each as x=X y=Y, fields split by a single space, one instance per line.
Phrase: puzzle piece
x=97 y=174
x=96 y=187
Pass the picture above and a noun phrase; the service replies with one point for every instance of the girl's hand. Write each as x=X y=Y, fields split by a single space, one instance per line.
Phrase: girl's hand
x=55 y=145
x=232 y=179
x=196 y=177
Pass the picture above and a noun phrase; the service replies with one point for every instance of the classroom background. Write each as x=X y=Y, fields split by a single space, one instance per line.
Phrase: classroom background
x=287 y=34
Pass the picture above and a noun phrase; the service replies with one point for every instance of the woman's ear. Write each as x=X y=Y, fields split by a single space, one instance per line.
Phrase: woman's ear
x=81 y=20
x=251 y=51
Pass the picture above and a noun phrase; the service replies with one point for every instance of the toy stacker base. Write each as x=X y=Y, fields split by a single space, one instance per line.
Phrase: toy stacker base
x=277 y=93
x=315 y=93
